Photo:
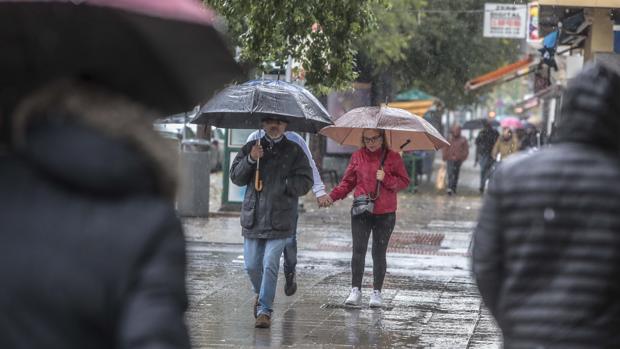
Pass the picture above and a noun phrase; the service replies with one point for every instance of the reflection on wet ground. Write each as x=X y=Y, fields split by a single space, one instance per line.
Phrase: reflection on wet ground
x=430 y=298
x=421 y=310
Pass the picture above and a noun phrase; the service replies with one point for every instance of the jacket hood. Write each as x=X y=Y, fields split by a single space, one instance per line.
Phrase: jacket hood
x=591 y=109
x=93 y=140
x=455 y=131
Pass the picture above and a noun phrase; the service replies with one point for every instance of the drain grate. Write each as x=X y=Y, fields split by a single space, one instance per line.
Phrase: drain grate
x=403 y=239
x=400 y=242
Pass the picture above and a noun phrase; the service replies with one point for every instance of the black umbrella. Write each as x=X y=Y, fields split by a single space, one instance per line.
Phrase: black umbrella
x=165 y=54
x=475 y=124
x=245 y=105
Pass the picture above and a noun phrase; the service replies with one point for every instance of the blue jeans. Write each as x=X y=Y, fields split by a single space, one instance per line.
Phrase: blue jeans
x=262 y=262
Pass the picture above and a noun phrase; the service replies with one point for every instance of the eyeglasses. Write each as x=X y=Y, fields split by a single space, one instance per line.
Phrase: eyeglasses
x=372 y=139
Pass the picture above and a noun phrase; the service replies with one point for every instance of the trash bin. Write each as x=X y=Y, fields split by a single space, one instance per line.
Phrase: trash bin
x=195 y=162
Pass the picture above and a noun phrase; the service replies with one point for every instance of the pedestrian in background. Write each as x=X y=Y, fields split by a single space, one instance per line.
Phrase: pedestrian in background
x=506 y=145
x=373 y=163
x=92 y=254
x=454 y=155
x=546 y=253
x=318 y=188
x=269 y=215
x=531 y=139
x=484 y=147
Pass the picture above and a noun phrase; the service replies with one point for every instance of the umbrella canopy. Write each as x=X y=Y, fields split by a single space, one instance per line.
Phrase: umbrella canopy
x=245 y=105
x=165 y=54
x=511 y=122
x=401 y=128
x=475 y=124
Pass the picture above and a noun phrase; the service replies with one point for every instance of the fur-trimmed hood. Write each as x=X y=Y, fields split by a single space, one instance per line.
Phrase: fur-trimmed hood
x=93 y=140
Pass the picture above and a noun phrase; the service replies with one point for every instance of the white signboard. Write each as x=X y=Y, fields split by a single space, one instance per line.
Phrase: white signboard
x=505 y=21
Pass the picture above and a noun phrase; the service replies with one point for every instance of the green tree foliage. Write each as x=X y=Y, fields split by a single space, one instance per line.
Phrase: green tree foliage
x=434 y=45
x=319 y=34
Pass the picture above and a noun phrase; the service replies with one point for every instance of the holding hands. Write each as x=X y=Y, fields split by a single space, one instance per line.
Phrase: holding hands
x=324 y=201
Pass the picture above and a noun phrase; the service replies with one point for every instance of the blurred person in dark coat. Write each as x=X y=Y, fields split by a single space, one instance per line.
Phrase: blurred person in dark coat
x=92 y=254
x=546 y=254
x=484 y=147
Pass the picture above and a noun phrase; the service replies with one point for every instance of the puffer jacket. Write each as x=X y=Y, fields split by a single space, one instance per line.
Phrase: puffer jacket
x=546 y=252
x=361 y=175
x=286 y=175
x=92 y=254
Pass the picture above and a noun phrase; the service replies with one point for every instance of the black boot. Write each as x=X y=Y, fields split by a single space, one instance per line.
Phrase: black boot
x=290 y=287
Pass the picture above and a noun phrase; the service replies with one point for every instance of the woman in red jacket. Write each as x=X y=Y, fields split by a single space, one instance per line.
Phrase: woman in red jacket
x=362 y=175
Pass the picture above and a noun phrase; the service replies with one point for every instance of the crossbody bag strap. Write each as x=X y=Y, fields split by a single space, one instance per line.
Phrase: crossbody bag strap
x=378 y=186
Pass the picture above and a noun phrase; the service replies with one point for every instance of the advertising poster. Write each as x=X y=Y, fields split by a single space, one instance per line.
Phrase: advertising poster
x=505 y=21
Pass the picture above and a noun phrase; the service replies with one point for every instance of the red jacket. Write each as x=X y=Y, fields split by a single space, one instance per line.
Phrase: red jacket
x=361 y=175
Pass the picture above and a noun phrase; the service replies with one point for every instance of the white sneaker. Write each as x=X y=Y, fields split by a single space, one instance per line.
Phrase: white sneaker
x=376 y=301
x=355 y=297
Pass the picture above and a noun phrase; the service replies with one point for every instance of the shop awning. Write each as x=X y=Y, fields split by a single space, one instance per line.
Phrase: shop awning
x=580 y=3
x=534 y=100
x=418 y=108
x=414 y=101
x=413 y=95
x=503 y=74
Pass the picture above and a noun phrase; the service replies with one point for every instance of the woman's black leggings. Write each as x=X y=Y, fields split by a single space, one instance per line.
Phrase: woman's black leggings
x=381 y=226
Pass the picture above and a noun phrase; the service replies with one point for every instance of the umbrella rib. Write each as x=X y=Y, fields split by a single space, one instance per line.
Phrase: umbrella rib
x=347 y=136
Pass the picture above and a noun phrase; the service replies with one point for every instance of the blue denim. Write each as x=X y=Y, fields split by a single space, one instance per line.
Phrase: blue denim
x=262 y=262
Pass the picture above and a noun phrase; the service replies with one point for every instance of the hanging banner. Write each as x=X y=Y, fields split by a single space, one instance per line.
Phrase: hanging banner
x=533 y=26
x=505 y=21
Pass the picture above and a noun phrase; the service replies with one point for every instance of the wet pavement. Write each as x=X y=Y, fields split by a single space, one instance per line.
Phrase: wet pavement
x=430 y=299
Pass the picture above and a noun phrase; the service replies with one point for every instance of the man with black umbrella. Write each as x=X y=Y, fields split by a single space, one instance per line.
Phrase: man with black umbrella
x=268 y=212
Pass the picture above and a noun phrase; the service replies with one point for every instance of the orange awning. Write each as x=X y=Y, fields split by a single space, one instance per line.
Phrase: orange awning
x=506 y=72
x=414 y=107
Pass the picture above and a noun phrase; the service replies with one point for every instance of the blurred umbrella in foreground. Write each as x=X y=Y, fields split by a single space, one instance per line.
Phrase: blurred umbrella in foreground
x=244 y=106
x=164 y=54
x=404 y=131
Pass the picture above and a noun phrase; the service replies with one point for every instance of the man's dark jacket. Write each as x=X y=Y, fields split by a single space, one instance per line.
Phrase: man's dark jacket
x=286 y=175
x=546 y=253
x=485 y=141
x=92 y=254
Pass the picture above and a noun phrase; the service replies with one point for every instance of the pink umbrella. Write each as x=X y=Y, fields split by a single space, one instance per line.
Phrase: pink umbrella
x=166 y=54
x=511 y=122
x=404 y=131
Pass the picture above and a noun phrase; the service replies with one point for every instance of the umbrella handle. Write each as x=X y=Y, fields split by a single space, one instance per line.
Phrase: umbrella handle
x=258 y=183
